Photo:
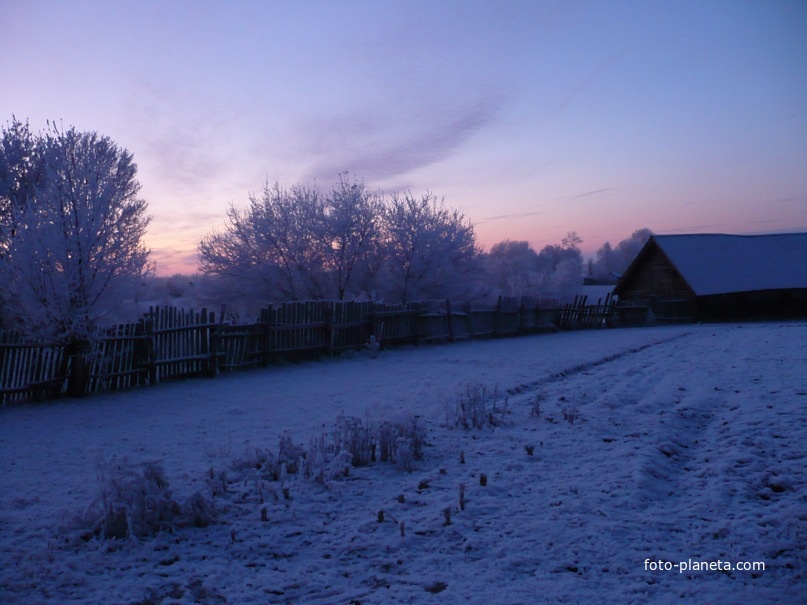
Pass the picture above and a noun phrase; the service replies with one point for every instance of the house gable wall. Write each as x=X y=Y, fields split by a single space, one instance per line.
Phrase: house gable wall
x=654 y=277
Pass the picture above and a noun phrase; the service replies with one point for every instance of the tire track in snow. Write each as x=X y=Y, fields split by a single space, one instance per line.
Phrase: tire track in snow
x=584 y=367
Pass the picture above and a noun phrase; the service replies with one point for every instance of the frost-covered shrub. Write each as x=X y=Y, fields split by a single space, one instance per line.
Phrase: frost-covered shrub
x=354 y=436
x=217 y=482
x=385 y=437
x=312 y=466
x=410 y=441
x=404 y=453
x=288 y=455
x=330 y=455
x=136 y=502
x=400 y=442
x=323 y=462
x=258 y=460
x=474 y=407
x=198 y=510
x=337 y=467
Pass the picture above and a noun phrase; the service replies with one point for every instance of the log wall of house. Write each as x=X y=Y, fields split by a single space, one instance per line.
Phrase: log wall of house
x=655 y=278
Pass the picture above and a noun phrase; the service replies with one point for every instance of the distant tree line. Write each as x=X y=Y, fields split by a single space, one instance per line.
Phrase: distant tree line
x=350 y=242
x=508 y=268
x=514 y=268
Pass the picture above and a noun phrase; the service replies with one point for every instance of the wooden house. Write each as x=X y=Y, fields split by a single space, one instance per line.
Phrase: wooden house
x=717 y=276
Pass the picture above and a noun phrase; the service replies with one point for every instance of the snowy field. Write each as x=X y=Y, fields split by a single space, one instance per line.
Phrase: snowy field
x=609 y=448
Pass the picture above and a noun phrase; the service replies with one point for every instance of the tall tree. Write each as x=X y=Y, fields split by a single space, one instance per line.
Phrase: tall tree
x=513 y=268
x=612 y=262
x=606 y=265
x=352 y=217
x=629 y=248
x=73 y=227
x=429 y=248
x=562 y=269
x=572 y=241
x=280 y=239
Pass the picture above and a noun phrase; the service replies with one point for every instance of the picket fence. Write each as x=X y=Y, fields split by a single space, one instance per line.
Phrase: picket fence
x=579 y=314
x=170 y=343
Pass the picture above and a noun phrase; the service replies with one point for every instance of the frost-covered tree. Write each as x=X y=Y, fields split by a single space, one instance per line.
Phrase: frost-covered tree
x=346 y=243
x=429 y=249
x=565 y=282
x=72 y=227
x=551 y=256
x=352 y=221
x=572 y=241
x=629 y=248
x=298 y=242
x=21 y=171
x=612 y=262
x=279 y=240
x=562 y=269
x=607 y=265
x=513 y=269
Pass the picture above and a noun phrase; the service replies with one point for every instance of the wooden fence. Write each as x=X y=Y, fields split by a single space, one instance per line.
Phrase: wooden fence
x=581 y=315
x=30 y=371
x=170 y=343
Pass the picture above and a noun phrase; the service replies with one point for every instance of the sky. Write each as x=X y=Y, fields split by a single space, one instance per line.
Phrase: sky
x=535 y=118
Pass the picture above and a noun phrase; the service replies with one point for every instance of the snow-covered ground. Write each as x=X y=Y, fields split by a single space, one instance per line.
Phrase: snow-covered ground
x=677 y=443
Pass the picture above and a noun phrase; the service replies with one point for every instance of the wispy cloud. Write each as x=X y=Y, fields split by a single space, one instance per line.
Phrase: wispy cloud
x=381 y=148
x=589 y=193
x=178 y=139
x=513 y=215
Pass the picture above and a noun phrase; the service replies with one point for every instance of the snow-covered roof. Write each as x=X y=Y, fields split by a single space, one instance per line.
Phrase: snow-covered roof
x=721 y=264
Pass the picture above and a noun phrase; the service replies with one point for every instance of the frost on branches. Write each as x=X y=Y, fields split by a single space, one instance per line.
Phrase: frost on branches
x=300 y=243
x=430 y=249
x=71 y=229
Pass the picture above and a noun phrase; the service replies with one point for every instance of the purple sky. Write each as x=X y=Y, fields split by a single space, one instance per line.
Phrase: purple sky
x=536 y=118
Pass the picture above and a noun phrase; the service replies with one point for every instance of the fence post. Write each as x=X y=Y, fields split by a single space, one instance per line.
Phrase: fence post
x=79 y=370
x=213 y=338
x=263 y=334
x=450 y=321
x=151 y=349
x=330 y=325
x=469 y=323
x=269 y=314
x=496 y=312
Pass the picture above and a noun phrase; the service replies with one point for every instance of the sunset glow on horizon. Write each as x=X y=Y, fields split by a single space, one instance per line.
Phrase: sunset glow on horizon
x=536 y=118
